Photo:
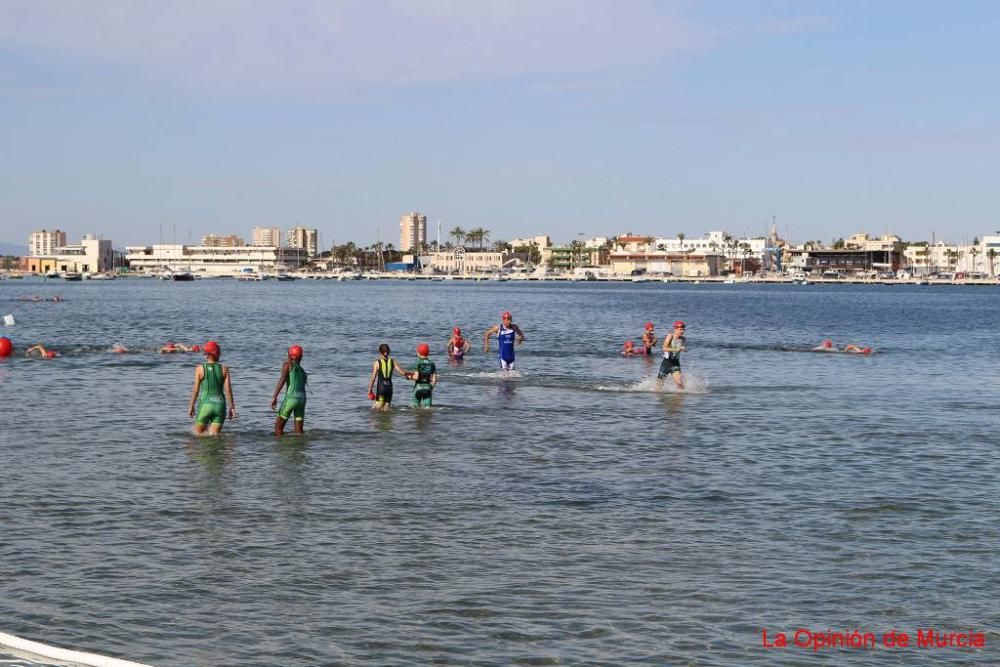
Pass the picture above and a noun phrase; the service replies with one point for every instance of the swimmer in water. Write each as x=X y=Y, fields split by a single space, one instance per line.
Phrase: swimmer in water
x=506 y=333
x=424 y=376
x=118 y=348
x=380 y=382
x=673 y=345
x=628 y=350
x=173 y=348
x=825 y=346
x=856 y=349
x=457 y=346
x=213 y=390
x=648 y=339
x=43 y=352
x=294 y=403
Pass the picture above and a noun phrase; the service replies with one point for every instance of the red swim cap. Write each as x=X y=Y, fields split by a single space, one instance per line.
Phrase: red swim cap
x=50 y=354
x=457 y=331
x=212 y=348
x=828 y=343
x=866 y=350
x=678 y=324
x=629 y=345
x=505 y=315
x=170 y=345
x=423 y=350
x=295 y=352
x=196 y=348
x=649 y=325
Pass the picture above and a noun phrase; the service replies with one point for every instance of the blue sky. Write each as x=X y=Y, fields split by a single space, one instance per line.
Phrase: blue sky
x=563 y=117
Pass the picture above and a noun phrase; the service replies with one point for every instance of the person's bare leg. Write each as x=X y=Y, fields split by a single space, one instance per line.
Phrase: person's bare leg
x=300 y=426
x=279 y=427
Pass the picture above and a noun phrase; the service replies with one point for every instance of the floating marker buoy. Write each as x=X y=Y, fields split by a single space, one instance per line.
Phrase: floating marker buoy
x=6 y=347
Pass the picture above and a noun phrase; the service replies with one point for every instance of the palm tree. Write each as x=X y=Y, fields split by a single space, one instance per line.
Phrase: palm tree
x=973 y=251
x=458 y=234
x=992 y=255
x=501 y=246
x=484 y=236
x=680 y=238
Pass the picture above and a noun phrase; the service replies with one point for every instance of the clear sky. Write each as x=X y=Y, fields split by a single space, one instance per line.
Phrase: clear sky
x=126 y=117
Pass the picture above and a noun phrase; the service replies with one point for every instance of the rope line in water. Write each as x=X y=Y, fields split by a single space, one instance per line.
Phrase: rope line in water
x=62 y=654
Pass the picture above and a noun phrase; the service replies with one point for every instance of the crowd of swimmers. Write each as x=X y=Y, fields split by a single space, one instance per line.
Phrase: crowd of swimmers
x=212 y=393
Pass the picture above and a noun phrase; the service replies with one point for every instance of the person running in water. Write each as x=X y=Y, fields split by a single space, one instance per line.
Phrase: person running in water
x=425 y=377
x=380 y=382
x=648 y=339
x=43 y=352
x=673 y=345
x=457 y=346
x=213 y=389
x=294 y=402
x=505 y=332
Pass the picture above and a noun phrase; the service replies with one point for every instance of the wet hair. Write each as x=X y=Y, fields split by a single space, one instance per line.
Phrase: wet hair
x=383 y=349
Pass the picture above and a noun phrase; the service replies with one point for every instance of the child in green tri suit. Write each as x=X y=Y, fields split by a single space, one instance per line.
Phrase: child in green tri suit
x=425 y=377
x=212 y=389
x=294 y=402
x=380 y=382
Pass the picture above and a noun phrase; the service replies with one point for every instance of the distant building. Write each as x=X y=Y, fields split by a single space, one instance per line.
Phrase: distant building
x=687 y=264
x=90 y=255
x=266 y=236
x=214 y=261
x=306 y=239
x=540 y=241
x=412 y=231
x=44 y=243
x=218 y=241
x=462 y=262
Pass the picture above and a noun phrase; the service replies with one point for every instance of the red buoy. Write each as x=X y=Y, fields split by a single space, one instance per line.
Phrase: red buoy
x=6 y=347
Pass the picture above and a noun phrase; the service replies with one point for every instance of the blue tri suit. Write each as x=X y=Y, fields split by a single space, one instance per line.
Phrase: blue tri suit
x=505 y=344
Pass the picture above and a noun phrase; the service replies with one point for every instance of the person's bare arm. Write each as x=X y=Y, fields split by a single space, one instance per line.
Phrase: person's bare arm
x=194 y=390
x=228 y=384
x=520 y=334
x=486 y=336
x=281 y=383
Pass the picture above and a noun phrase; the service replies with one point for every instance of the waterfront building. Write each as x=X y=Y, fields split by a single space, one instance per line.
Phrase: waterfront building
x=845 y=261
x=687 y=264
x=266 y=236
x=412 y=231
x=540 y=241
x=43 y=243
x=305 y=239
x=570 y=257
x=218 y=241
x=90 y=255
x=212 y=261
x=463 y=262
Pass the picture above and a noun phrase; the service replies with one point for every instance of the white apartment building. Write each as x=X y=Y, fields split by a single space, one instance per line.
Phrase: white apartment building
x=412 y=231
x=214 y=261
x=540 y=241
x=266 y=236
x=463 y=262
x=44 y=242
x=90 y=255
x=306 y=239
x=714 y=243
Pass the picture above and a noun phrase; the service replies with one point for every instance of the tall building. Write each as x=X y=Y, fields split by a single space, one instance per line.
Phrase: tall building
x=44 y=243
x=219 y=241
x=267 y=236
x=412 y=231
x=306 y=239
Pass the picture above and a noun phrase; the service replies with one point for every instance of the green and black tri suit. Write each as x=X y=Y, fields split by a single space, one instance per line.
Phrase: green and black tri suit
x=294 y=402
x=383 y=380
x=422 y=389
x=211 y=399
x=672 y=357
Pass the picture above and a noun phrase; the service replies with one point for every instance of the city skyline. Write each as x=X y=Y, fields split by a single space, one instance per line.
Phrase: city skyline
x=566 y=118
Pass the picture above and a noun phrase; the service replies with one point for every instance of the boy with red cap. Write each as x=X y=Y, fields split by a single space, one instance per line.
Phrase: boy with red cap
x=213 y=389
x=457 y=346
x=425 y=376
x=505 y=333
x=673 y=345
x=294 y=402
x=648 y=339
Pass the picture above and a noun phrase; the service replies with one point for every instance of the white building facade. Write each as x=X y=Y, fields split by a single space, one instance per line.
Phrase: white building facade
x=266 y=236
x=212 y=261
x=44 y=243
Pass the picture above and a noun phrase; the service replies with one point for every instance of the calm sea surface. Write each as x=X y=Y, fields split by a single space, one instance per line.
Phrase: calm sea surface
x=571 y=515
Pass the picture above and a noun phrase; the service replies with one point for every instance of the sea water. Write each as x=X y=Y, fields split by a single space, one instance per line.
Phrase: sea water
x=571 y=512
